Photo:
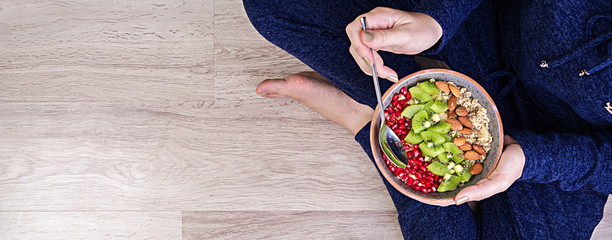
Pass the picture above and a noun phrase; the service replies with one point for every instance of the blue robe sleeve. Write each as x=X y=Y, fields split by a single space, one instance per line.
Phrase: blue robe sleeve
x=449 y=14
x=574 y=161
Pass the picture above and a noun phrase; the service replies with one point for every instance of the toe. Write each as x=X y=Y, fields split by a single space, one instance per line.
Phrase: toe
x=271 y=88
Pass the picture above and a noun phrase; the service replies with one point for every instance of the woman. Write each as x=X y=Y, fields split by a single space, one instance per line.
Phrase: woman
x=545 y=63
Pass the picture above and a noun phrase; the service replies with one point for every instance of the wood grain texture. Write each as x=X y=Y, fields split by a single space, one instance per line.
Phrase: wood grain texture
x=90 y=225
x=291 y=225
x=118 y=116
x=79 y=157
x=67 y=51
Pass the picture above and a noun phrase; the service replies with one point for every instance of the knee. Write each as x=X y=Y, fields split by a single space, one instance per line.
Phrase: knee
x=262 y=16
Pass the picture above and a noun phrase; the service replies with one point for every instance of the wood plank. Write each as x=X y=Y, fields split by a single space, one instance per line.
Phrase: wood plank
x=106 y=51
x=90 y=225
x=291 y=225
x=228 y=155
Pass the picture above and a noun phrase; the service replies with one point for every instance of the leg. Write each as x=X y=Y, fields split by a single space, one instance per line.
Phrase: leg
x=314 y=91
x=313 y=31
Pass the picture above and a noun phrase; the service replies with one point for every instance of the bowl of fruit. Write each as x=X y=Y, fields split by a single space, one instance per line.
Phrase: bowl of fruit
x=450 y=128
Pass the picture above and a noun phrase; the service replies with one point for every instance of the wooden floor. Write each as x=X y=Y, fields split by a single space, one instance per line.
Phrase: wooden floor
x=139 y=120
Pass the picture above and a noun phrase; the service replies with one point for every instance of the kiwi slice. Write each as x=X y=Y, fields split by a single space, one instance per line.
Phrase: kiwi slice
x=450 y=182
x=439 y=106
x=413 y=137
x=458 y=158
x=421 y=121
x=443 y=157
x=465 y=174
x=441 y=127
x=451 y=148
x=412 y=109
x=447 y=137
x=432 y=143
x=419 y=94
x=429 y=87
x=438 y=168
x=432 y=151
x=432 y=138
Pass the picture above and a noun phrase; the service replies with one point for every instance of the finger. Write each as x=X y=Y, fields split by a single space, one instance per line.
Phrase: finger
x=509 y=169
x=364 y=63
x=484 y=189
x=396 y=40
x=384 y=71
x=509 y=140
x=378 y=18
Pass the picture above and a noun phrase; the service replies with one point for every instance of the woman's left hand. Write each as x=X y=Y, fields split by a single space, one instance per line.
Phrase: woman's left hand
x=509 y=169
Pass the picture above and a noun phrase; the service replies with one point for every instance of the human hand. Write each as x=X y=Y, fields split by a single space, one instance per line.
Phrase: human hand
x=509 y=169
x=393 y=31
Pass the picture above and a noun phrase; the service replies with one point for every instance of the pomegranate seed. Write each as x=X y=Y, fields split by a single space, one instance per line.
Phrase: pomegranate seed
x=416 y=146
x=398 y=105
x=417 y=188
x=403 y=91
x=433 y=189
x=409 y=180
x=395 y=97
x=418 y=175
x=430 y=178
x=418 y=162
x=408 y=96
x=420 y=158
x=402 y=121
x=424 y=169
x=412 y=171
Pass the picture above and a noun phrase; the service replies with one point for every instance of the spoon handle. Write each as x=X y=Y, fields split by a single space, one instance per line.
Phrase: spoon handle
x=375 y=78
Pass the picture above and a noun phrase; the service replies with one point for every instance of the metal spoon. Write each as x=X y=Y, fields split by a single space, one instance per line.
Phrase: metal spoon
x=389 y=142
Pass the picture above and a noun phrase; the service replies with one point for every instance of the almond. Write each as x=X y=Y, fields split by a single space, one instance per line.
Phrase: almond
x=452 y=114
x=479 y=149
x=461 y=111
x=442 y=85
x=459 y=141
x=452 y=103
x=476 y=169
x=466 y=131
x=455 y=90
x=466 y=147
x=472 y=155
x=455 y=124
x=465 y=121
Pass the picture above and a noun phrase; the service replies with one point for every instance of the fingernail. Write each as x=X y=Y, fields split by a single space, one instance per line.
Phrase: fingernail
x=462 y=200
x=392 y=79
x=367 y=62
x=369 y=36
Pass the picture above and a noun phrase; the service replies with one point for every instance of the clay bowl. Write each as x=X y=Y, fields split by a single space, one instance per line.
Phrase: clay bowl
x=495 y=126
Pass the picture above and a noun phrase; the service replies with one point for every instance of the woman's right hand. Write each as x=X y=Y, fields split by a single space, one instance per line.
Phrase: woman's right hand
x=393 y=31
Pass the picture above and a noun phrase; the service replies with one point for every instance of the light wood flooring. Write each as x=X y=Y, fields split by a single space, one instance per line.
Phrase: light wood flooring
x=139 y=120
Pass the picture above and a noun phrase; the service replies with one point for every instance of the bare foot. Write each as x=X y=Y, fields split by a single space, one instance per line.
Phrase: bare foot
x=314 y=91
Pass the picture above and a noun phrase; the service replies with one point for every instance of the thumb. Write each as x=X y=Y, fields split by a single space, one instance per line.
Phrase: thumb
x=384 y=39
